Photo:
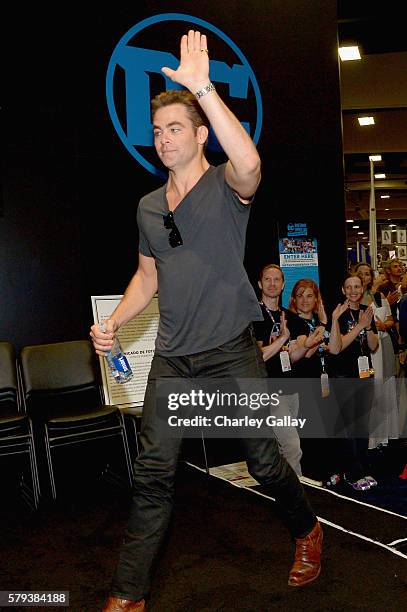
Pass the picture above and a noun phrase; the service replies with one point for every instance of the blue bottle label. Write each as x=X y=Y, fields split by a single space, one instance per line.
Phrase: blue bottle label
x=121 y=363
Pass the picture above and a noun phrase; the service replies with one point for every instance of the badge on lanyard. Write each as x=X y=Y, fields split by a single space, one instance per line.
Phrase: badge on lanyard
x=324 y=384
x=285 y=361
x=363 y=366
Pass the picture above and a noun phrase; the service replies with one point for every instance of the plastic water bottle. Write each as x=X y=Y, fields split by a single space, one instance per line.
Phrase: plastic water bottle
x=119 y=366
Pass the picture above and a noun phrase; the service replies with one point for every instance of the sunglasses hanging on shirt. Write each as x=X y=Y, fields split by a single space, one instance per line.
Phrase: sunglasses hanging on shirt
x=174 y=237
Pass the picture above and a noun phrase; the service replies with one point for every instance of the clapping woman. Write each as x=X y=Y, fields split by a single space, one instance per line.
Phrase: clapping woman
x=306 y=302
x=359 y=341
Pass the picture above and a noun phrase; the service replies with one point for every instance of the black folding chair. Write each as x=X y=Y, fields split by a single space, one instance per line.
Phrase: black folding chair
x=16 y=433
x=62 y=395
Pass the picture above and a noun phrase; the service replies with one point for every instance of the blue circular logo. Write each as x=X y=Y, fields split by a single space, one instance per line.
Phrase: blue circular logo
x=133 y=67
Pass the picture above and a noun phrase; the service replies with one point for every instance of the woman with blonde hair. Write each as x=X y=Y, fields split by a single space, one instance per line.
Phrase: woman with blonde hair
x=370 y=283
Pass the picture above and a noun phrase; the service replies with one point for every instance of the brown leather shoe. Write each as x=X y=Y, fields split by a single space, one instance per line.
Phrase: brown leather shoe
x=116 y=604
x=307 y=563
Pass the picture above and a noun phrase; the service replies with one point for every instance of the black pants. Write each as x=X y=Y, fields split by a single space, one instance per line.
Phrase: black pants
x=155 y=467
x=351 y=450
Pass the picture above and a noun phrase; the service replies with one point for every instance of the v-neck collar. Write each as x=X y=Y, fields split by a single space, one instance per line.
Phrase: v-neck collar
x=166 y=206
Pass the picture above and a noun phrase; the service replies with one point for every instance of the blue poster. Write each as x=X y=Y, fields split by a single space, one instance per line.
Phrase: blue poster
x=298 y=257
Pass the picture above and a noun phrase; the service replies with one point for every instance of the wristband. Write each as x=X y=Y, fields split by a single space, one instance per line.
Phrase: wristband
x=205 y=90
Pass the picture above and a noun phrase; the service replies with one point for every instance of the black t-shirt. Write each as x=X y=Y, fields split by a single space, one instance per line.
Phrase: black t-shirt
x=263 y=330
x=311 y=367
x=346 y=363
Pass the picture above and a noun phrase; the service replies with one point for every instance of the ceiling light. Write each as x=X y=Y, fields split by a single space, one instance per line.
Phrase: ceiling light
x=387 y=209
x=349 y=220
x=366 y=120
x=375 y=157
x=380 y=176
x=355 y=226
x=349 y=248
x=392 y=224
x=349 y=53
x=394 y=230
x=361 y=233
x=384 y=197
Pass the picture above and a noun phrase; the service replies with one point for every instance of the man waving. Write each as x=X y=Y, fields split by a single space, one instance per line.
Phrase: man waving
x=192 y=240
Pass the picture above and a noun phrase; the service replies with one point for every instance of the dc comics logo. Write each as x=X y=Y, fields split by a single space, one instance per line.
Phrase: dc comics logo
x=134 y=76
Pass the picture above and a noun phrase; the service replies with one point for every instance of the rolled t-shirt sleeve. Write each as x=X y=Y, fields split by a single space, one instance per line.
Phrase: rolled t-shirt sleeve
x=230 y=194
x=144 y=246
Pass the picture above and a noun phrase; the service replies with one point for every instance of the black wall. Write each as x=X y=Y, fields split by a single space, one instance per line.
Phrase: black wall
x=70 y=189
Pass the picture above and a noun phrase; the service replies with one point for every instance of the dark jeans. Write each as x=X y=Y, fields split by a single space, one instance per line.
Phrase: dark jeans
x=155 y=467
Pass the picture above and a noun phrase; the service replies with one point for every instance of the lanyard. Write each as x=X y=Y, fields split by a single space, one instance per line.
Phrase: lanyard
x=313 y=324
x=269 y=312
x=362 y=335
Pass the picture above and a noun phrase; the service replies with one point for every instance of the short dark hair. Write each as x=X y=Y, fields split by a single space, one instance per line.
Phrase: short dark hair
x=184 y=97
x=271 y=265
x=350 y=274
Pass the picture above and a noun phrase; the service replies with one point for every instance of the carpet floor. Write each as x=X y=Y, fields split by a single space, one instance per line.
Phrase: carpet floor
x=226 y=550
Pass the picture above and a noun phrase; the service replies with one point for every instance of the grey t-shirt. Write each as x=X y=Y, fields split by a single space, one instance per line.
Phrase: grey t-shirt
x=205 y=297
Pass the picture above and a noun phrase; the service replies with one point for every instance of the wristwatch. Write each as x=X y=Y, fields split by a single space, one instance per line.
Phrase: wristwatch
x=205 y=90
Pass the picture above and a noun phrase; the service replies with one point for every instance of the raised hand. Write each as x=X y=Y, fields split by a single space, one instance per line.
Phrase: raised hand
x=321 y=312
x=366 y=316
x=284 y=331
x=379 y=324
x=393 y=297
x=193 y=70
x=315 y=338
x=339 y=310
